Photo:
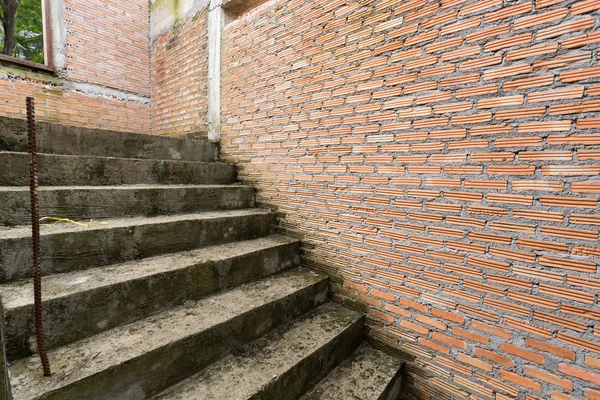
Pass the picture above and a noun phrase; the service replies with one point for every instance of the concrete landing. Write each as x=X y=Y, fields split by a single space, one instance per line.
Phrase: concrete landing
x=66 y=139
x=283 y=364
x=141 y=359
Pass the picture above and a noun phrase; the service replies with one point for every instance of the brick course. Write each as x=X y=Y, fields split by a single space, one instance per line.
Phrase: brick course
x=441 y=161
x=71 y=108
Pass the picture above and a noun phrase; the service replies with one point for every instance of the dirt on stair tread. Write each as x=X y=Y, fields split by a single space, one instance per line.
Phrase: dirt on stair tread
x=125 y=187
x=117 y=346
x=25 y=231
x=365 y=375
x=243 y=375
x=19 y=294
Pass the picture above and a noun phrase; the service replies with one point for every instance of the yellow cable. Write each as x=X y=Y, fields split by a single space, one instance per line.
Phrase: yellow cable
x=58 y=220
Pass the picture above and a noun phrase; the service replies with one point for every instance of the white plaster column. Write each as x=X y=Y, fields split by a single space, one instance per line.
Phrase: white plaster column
x=216 y=21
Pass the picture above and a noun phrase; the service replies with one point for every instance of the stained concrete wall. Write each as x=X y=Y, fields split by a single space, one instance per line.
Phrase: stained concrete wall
x=5 y=393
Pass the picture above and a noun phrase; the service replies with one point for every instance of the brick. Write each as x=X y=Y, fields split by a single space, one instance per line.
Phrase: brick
x=548 y=377
x=497 y=358
x=520 y=352
x=520 y=380
x=578 y=373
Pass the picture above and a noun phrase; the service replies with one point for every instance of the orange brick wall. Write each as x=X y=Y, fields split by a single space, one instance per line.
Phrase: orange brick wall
x=72 y=108
x=441 y=161
x=108 y=43
x=107 y=46
x=179 y=78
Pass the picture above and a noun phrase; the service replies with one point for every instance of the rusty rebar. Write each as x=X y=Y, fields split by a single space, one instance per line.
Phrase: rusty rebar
x=35 y=234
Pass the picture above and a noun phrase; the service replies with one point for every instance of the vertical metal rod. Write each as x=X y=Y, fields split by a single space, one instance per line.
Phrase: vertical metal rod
x=35 y=233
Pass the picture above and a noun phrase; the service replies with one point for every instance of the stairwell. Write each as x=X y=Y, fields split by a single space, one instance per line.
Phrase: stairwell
x=184 y=293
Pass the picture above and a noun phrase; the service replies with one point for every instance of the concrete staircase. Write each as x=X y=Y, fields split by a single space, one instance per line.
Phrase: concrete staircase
x=184 y=293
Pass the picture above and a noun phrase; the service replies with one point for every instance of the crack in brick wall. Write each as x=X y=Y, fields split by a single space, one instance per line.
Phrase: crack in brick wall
x=440 y=160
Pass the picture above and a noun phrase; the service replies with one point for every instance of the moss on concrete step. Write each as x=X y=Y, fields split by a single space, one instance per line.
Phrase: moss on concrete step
x=69 y=247
x=141 y=359
x=98 y=202
x=368 y=374
x=61 y=170
x=282 y=365
x=84 y=303
x=66 y=139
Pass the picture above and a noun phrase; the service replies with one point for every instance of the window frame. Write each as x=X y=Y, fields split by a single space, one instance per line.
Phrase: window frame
x=48 y=54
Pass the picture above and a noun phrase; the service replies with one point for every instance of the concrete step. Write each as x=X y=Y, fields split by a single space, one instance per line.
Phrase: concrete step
x=65 y=139
x=84 y=303
x=98 y=202
x=66 y=247
x=368 y=374
x=282 y=365
x=63 y=170
x=139 y=360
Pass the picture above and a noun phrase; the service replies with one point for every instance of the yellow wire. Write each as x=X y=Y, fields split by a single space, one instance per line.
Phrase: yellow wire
x=59 y=220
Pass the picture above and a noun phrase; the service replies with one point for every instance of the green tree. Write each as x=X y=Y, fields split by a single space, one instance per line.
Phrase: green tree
x=9 y=15
x=22 y=26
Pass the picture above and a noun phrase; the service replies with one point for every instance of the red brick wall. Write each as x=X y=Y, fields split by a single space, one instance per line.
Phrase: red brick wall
x=179 y=78
x=107 y=46
x=441 y=160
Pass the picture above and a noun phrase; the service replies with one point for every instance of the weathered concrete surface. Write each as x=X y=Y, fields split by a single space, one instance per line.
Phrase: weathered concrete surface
x=64 y=139
x=61 y=170
x=81 y=304
x=282 y=365
x=141 y=359
x=368 y=374
x=5 y=390
x=98 y=202
x=67 y=247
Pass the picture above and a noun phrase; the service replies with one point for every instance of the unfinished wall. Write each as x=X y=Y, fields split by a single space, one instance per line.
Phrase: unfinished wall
x=180 y=77
x=103 y=63
x=440 y=159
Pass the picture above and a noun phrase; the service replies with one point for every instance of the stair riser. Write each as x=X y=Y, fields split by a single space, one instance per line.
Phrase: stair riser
x=394 y=389
x=64 y=139
x=308 y=372
x=87 y=313
x=153 y=372
x=54 y=170
x=110 y=203
x=78 y=250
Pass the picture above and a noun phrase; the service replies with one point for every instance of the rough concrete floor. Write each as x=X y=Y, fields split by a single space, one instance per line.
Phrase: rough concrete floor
x=115 y=347
x=242 y=377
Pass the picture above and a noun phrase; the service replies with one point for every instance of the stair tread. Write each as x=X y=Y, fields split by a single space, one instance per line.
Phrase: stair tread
x=48 y=229
x=241 y=376
x=363 y=376
x=122 y=344
x=19 y=294
x=124 y=187
x=69 y=139
x=112 y=157
x=81 y=170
